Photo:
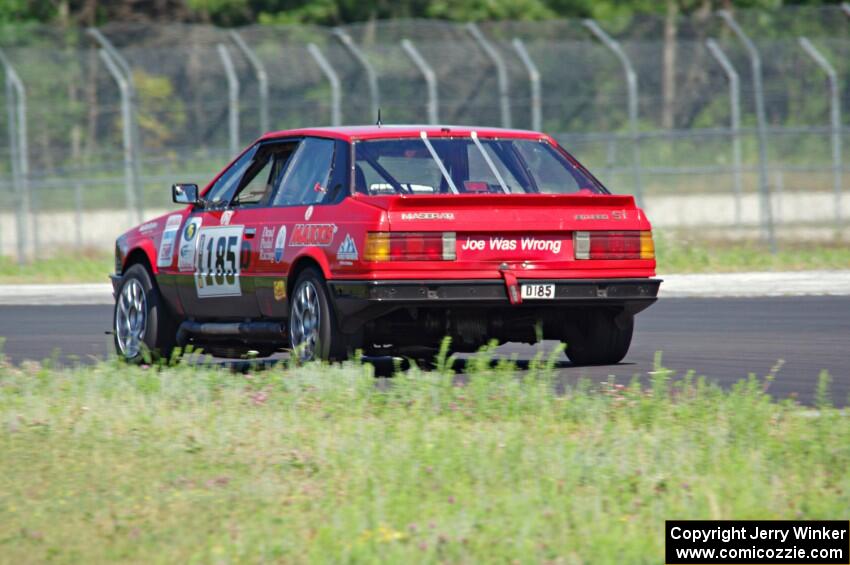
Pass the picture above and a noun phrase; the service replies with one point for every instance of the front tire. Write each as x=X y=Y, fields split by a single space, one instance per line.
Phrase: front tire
x=603 y=338
x=313 y=329
x=141 y=321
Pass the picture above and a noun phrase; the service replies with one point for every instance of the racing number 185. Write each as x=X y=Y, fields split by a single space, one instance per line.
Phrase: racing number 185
x=218 y=262
x=224 y=271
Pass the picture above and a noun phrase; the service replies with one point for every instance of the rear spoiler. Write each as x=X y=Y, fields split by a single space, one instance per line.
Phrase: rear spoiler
x=431 y=201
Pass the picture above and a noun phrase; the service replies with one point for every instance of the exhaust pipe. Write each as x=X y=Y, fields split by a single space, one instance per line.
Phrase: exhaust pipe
x=253 y=331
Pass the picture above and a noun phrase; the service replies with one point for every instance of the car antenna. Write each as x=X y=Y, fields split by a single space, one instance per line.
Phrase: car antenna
x=378 y=123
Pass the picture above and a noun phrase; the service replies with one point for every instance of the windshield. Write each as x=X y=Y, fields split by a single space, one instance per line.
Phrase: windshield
x=466 y=166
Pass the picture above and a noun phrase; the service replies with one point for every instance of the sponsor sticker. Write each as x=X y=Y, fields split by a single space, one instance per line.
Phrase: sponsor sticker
x=225 y=217
x=191 y=229
x=320 y=235
x=150 y=226
x=347 y=249
x=427 y=216
x=279 y=290
x=173 y=221
x=188 y=241
x=308 y=213
x=267 y=244
x=166 y=247
x=279 y=244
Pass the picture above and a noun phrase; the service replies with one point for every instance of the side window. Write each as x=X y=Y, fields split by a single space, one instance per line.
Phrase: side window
x=267 y=166
x=550 y=173
x=306 y=179
x=222 y=191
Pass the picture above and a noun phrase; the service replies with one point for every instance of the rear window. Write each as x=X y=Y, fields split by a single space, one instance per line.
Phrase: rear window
x=466 y=166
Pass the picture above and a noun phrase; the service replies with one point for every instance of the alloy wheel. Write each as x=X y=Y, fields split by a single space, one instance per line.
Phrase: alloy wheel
x=131 y=318
x=304 y=321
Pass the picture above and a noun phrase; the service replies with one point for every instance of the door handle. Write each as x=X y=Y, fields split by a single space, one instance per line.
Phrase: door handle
x=250 y=232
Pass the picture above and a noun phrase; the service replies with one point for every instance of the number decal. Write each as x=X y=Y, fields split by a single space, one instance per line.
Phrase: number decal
x=538 y=291
x=205 y=272
x=220 y=244
x=217 y=272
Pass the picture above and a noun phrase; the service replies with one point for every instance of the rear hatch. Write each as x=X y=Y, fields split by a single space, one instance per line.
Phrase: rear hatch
x=537 y=233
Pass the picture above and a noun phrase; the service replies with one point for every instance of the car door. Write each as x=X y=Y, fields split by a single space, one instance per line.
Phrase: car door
x=251 y=206
x=300 y=216
x=210 y=258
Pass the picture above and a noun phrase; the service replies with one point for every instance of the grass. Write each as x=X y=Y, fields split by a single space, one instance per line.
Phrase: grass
x=325 y=464
x=688 y=256
x=674 y=255
x=78 y=266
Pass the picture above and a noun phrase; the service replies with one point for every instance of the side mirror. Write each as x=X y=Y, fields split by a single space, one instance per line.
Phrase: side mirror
x=184 y=193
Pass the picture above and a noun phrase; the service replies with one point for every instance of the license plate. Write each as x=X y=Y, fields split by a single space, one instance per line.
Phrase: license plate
x=537 y=291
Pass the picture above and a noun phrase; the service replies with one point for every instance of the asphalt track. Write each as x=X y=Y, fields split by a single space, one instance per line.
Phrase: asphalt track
x=724 y=339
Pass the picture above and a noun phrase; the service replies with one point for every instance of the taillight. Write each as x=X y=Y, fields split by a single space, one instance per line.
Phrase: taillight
x=647 y=245
x=613 y=245
x=410 y=246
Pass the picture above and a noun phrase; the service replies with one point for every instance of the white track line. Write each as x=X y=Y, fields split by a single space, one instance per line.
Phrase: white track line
x=803 y=283
x=55 y=294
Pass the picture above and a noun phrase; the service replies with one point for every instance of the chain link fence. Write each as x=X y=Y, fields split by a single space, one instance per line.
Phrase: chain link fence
x=726 y=123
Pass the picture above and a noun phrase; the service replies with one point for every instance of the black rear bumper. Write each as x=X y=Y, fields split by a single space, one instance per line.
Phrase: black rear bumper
x=359 y=301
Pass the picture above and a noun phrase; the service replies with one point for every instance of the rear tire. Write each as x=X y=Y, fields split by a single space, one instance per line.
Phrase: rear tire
x=313 y=330
x=603 y=338
x=141 y=321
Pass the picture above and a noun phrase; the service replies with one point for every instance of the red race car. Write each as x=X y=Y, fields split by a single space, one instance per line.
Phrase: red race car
x=386 y=239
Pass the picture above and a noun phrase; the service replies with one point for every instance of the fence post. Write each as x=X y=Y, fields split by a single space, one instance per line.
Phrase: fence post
x=333 y=79
x=429 y=76
x=232 y=97
x=16 y=97
x=534 y=84
x=632 y=92
x=121 y=72
x=78 y=213
x=779 y=201
x=13 y=162
x=123 y=88
x=835 y=119
x=761 y=124
x=501 y=72
x=360 y=57
x=735 y=119
x=262 y=78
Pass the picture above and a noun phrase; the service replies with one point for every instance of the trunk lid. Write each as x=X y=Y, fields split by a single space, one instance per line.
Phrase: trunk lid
x=514 y=213
x=496 y=228
x=513 y=228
